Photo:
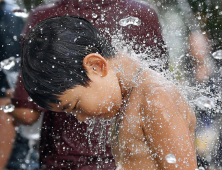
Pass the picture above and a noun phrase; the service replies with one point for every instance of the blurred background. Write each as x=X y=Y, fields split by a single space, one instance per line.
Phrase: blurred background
x=192 y=31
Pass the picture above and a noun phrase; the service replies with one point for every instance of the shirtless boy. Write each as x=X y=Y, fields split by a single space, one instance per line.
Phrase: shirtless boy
x=66 y=62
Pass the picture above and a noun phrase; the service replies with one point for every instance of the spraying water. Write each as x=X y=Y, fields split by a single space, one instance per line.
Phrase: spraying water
x=197 y=98
x=170 y=158
x=130 y=21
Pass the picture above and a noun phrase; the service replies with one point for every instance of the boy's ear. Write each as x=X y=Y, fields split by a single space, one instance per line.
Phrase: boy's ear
x=95 y=63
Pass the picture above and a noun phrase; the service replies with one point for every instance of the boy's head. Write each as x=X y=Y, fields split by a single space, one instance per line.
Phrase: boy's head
x=53 y=55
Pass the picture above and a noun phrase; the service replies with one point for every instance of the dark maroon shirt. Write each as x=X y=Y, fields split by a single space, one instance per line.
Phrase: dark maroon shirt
x=64 y=140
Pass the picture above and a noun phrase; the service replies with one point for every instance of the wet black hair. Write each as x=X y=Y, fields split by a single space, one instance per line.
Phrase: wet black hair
x=52 y=57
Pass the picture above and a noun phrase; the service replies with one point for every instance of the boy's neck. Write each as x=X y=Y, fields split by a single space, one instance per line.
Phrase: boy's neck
x=126 y=70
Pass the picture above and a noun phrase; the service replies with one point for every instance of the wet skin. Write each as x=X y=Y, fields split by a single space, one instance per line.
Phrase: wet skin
x=156 y=121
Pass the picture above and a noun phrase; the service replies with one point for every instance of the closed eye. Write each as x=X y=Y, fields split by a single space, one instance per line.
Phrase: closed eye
x=74 y=108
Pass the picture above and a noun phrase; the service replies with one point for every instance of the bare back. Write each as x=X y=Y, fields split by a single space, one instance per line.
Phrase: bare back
x=157 y=122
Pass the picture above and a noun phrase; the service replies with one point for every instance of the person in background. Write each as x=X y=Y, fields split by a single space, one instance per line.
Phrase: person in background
x=208 y=50
x=208 y=14
x=192 y=32
x=65 y=142
x=10 y=30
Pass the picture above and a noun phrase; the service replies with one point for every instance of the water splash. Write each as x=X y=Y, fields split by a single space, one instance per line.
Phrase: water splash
x=205 y=102
x=217 y=54
x=130 y=21
x=10 y=68
x=102 y=136
x=7 y=108
x=30 y=99
x=200 y=168
x=94 y=15
x=90 y=127
x=9 y=63
x=170 y=158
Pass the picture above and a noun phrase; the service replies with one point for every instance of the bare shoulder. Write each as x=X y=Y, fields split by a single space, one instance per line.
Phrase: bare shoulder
x=154 y=85
x=162 y=97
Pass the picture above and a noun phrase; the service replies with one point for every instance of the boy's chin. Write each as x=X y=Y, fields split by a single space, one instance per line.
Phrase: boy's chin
x=90 y=120
x=105 y=116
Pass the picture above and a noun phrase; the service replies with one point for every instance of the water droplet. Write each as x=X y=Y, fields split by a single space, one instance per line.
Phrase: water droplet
x=102 y=17
x=30 y=99
x=106 y=160
x=170 y=158
x=158 y=3
x=205 y=102
x=108 y=109
x=94 y=15
x=23 y=166
x=217 y=54
x=41 y=29
x=148 y=101
x=8 y=108
x=200 y=168
x=155 y=63
x=130 y=21
x=8 y=63
x=15 y=38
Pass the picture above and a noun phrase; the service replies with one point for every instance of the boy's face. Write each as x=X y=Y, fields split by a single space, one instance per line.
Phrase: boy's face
x=101 y=98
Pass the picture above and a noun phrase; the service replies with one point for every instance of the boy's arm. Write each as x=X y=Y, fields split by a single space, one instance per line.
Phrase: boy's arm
x=169 y=126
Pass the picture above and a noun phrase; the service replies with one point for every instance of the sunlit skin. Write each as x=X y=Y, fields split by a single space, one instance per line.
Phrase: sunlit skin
x=157 y=121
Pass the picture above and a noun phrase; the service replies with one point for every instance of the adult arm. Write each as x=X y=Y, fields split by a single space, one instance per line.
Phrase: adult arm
x=26 y=111
x=7 y=135
x=200 y=52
